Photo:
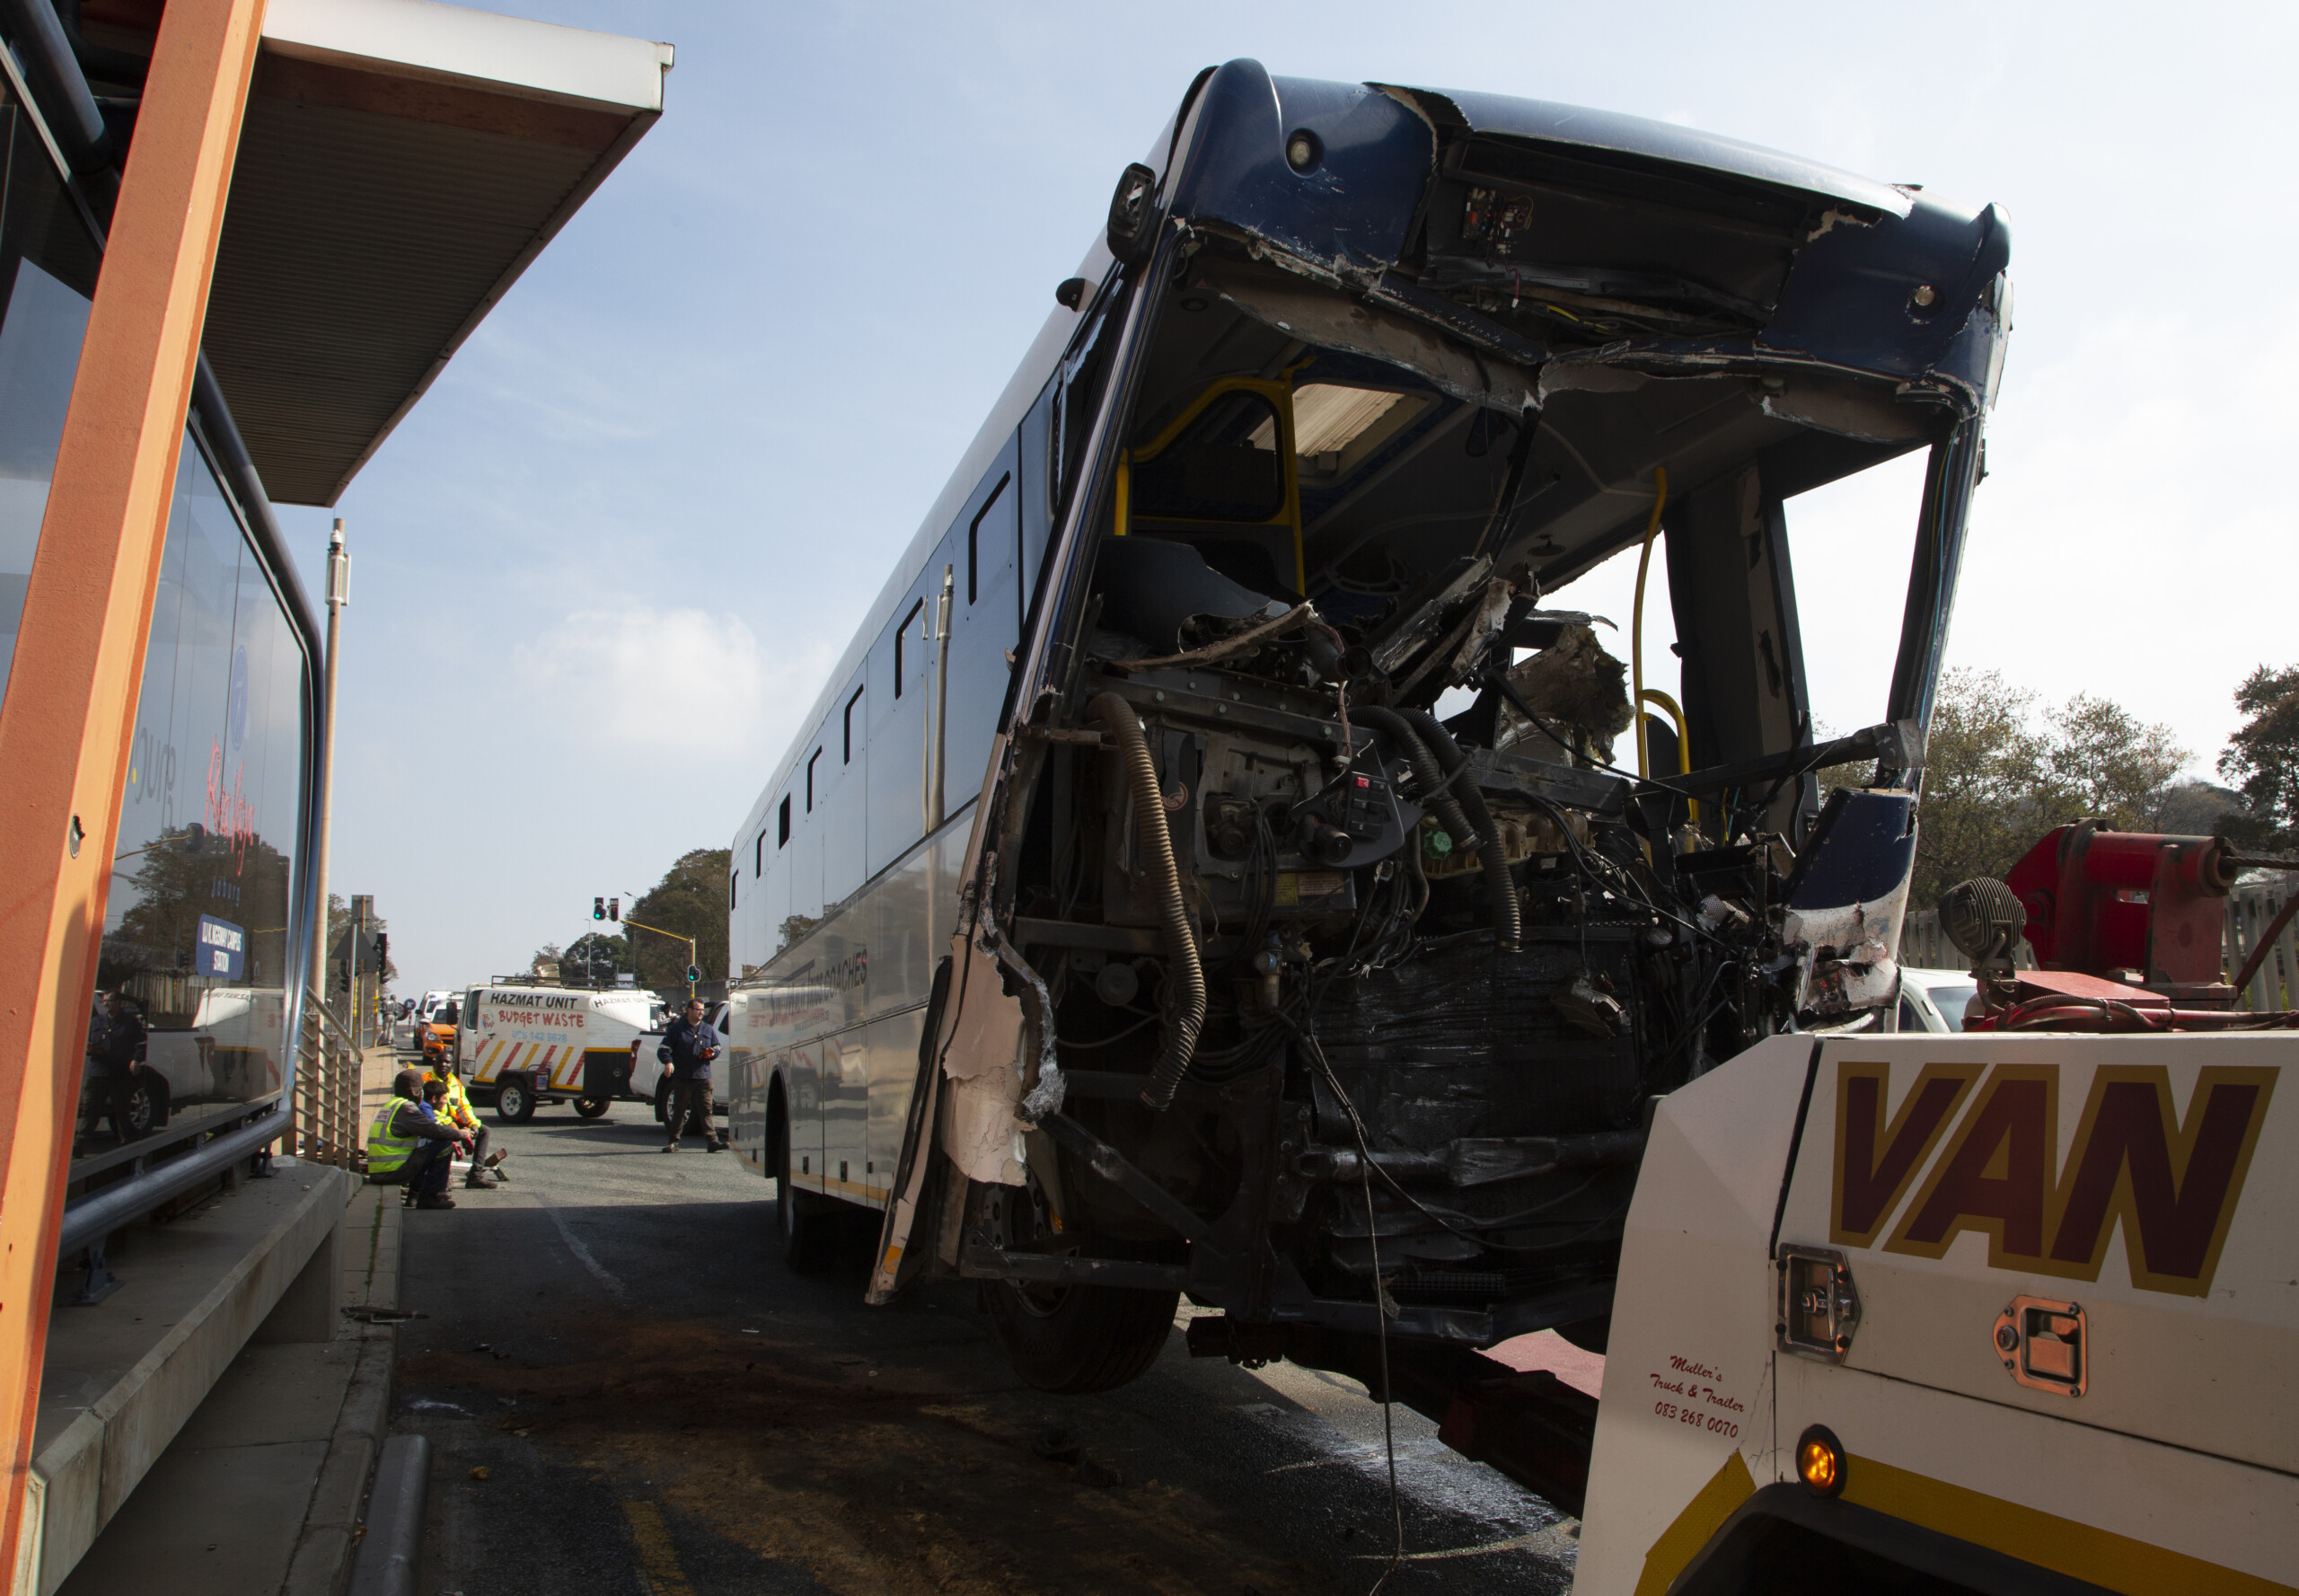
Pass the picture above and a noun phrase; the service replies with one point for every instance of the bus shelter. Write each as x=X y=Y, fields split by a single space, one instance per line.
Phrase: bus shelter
x=238 y=241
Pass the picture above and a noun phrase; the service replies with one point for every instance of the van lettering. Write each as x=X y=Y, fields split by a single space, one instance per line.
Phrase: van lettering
x=2171 y=1182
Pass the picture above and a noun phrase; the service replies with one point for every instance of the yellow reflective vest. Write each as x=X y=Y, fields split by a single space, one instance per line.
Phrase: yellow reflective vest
x=458 y=1104
x=386 y=1151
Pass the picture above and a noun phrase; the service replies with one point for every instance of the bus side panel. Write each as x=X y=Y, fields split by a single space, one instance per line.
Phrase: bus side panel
x=749 y=1070
x=846 y=1078
x=893 y=1077
x=803 y=1088
x=987 y=543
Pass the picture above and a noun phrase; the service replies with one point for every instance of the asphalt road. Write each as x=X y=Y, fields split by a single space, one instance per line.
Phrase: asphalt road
x=627 y=1392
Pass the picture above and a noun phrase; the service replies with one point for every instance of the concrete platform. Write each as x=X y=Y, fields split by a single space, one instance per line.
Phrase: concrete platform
x=122 y=1378
x=261 y=1490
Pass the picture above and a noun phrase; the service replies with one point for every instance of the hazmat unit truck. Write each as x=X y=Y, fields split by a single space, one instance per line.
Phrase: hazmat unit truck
x=521 y=1047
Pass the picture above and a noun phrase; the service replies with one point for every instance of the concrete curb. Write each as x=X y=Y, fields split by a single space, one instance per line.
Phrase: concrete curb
x=321 y=1565
x=322 y=1561
x=386 y=1566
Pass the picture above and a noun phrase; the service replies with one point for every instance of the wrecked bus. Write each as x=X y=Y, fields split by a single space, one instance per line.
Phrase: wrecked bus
x=1225 y=863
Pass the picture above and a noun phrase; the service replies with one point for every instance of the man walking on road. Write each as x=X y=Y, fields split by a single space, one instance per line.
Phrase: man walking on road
x=688 y=1047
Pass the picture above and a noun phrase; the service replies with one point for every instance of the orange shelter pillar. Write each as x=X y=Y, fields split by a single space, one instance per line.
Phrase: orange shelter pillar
x=67 y=720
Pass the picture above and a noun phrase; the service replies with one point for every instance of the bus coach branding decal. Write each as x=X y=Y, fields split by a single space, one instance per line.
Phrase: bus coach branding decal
x=2171 y=1180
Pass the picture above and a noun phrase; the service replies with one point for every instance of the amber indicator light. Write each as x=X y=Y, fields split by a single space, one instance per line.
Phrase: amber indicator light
x=1820 y=1460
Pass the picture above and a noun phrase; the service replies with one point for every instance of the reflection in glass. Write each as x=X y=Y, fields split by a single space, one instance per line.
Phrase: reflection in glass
x=195 y=948
x=40 y=352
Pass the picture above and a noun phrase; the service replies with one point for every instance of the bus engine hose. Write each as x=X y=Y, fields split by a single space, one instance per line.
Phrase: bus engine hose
x=1186 y=1009
x=1507 y=920
x=1427 y=771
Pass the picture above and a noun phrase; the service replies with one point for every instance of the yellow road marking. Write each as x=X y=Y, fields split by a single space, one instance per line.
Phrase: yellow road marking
x=657 y=1559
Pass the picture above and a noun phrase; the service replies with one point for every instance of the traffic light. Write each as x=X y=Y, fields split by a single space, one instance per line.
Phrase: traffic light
x=615 y=910
x=598 y=908
x=383 y=950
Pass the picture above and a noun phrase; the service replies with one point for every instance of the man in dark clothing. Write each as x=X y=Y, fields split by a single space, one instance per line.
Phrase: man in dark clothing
x=116 y=1043
x=687 y=1050
x=408 y=1147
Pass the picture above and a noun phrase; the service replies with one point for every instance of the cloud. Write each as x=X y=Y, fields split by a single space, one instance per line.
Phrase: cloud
x=2130 y=540
x=644 y=679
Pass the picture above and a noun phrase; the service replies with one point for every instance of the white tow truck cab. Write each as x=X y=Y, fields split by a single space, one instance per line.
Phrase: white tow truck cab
x=1990 y=1313
x=519 y=1047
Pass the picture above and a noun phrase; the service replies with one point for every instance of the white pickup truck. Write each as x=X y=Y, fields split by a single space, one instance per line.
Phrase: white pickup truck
x=648 y=1080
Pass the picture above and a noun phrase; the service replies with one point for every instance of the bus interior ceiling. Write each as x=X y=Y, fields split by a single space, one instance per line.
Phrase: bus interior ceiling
x=1467 y=952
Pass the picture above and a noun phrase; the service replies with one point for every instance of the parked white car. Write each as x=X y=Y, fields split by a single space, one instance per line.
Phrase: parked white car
x=1935 y=1000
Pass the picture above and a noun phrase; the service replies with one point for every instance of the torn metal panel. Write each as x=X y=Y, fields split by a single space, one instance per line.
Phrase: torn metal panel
x=1667 y=144
x=1319 y=317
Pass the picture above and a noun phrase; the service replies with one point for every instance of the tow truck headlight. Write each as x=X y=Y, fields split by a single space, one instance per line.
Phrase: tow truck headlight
x=1820 y=1460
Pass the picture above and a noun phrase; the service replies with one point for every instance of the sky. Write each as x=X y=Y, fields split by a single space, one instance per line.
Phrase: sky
x=601 y=571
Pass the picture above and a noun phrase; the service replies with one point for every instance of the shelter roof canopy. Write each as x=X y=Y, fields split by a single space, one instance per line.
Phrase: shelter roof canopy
x=400 y=164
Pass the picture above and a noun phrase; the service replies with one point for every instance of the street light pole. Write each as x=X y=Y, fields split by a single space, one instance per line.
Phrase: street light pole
x=318 y=1112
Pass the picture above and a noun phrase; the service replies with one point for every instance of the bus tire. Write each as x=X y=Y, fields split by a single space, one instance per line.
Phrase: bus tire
x=591 y=1108
x=514 y=1100
x=1067 y=1339
x=1080 y=1339
x=803 y=1221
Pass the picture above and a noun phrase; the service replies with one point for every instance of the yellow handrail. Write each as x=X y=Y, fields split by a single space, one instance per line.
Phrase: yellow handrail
x=1279 y=394
x=1636 y=619
x=1653 y=695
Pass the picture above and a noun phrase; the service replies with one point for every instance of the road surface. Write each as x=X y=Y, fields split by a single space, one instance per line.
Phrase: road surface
x=627 y=1392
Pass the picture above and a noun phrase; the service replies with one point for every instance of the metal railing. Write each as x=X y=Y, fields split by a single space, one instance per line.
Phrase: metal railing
x=1923 y=945
x=327 y=1091
x=2251 y=909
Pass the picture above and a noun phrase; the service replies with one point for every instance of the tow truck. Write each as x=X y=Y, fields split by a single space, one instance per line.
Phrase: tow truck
x=2007 y=1311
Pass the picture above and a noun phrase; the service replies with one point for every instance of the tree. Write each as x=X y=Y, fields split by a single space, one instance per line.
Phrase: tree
x=2262 y=759
x=1994 y=782
x=594 y=959
x=689 y=900
x=181 y=875
x=1983 y=776
x=2100 y=761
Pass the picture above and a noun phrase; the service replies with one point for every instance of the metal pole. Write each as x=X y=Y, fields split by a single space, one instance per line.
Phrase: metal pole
x=934 y=782
x=339 y=595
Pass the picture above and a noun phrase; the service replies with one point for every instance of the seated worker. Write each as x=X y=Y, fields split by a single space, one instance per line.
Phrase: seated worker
x=407 y=1147
x=455 y=1110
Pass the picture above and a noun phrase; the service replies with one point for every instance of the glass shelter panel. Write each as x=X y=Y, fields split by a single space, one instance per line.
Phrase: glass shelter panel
x=48 y=270
x=194 y=976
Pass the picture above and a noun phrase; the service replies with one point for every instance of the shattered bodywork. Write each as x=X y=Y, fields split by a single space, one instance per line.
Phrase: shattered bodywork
x=1320 y=942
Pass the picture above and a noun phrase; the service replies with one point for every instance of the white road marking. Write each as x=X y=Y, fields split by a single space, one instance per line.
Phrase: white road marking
x=581 y=1253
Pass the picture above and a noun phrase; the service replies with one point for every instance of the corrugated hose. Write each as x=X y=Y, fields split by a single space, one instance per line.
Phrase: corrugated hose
x=1186 y=1001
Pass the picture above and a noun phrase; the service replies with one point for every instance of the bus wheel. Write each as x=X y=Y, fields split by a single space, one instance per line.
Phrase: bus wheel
x=801 y=1219
x=591 y=1108
x=514 y=1100
x=1069 y=1339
